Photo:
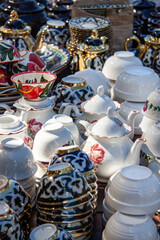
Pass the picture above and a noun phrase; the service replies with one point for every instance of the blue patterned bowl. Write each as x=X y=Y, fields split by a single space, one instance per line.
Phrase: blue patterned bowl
x=62 y=186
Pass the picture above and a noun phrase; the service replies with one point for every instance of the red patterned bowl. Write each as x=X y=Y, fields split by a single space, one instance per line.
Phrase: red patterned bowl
x=34 y=85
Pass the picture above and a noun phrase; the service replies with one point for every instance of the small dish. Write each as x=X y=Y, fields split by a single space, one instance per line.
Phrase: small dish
x=135 y=83
x=34 y=85
x=134 y=190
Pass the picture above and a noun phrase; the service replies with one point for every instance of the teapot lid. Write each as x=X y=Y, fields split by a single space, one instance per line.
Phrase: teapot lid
x=155 y=37
x=14 y=25
x=99 y=103
x=144 y=4
x=109 y=126
x=94 y=43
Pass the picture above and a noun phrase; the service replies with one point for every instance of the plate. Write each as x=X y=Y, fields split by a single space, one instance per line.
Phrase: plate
x=55 y=56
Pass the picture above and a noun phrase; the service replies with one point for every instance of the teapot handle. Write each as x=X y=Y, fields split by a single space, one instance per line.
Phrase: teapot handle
x=140 y=47
x=66 y=109
x=8 y=109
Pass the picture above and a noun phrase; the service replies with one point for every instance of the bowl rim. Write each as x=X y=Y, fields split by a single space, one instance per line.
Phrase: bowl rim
x=33 y=72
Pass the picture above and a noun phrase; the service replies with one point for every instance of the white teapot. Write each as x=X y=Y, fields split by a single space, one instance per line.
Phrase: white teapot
x=97 y=107
x=109 y=146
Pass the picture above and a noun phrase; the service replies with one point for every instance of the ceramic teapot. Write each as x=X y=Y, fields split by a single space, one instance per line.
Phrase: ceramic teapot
x=109 y=146
x=149 y=52
x=92 y=53
x=19 y=34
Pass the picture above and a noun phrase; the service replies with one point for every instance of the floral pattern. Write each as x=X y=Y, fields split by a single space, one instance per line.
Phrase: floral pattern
x=97 y=153
x=28 y=141
x=34 y=126
x=150 y=106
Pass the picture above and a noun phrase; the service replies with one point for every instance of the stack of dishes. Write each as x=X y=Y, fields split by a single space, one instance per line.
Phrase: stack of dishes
x=81 y=28
x=8 y=95
x=79 y=160
x=17 y=163
x=12 y=193
x=64 y=199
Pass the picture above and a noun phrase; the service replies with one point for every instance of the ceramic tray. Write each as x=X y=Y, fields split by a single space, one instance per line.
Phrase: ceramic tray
x=55 y=56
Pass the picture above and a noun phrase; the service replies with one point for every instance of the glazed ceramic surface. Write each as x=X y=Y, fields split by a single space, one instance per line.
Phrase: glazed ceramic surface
x=49 y=231
x=126 y=108
x=16 y=159
x=69 y=124
x=17 y=32
x=72 y=90
x=60 y=182
x=56 y=57
x=116 y=63
x=9 y=223
x=50 y=137
x=14 y=195
x=56 y=31
x=35 y=114
x=135 y=83
x=34 y=85
x=151 y=107
x=97 y=106
x=8 y=52
x=152 y=136
x=121 y=226
x=110 y=147
x=76 y=157
x=131 y=191
x=94 y=79
x=149 y=51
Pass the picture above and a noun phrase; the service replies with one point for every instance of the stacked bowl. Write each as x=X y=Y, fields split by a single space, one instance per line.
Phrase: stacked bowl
x=64 y=199
x=79 y=160
x=13 y=194
x=134 y=192
x=17 y=163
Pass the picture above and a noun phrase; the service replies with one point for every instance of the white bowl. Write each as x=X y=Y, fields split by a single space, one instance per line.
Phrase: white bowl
x=16 y=159
x=116 y=63
x=95 y=79
x=50 y=137
x=134 y=190
x=135 y=83
x=151 y=108
x=121 y=226
x=107 y=210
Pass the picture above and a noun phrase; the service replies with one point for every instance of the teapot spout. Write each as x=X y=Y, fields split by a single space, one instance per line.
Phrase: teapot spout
x=133 y=157
x=130 y=121
x=39 y=42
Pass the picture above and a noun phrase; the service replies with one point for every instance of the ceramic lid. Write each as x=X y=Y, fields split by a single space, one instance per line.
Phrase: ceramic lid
x=109 y=126
x=72 y=81
x=99 y=103
x=14 y=25
x=55 y=23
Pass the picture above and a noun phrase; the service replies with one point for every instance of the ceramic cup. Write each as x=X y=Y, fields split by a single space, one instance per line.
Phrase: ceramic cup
x=16 y=159
x=134 y=190
x=135 y=83
x=50 y=137
x=122 y=226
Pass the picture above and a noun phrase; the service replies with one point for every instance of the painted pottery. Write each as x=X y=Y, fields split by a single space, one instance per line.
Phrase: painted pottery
x=8 y=52
x=110 y=147
x=149 y=51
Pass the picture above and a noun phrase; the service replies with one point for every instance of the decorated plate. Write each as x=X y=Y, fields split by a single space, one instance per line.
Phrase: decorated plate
x=55 y=56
